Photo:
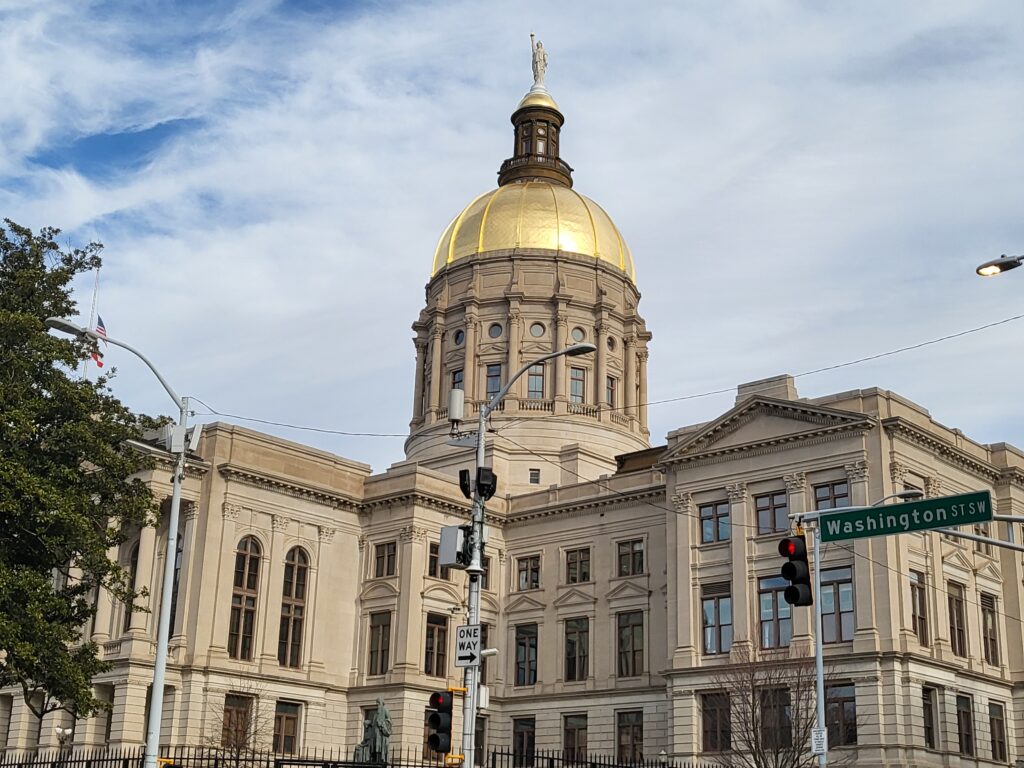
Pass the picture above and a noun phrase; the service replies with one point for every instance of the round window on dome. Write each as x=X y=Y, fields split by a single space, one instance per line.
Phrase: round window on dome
x=495 y=330
x=611 y=342
x=459 y=337
x=537 y=330
x=578 y=334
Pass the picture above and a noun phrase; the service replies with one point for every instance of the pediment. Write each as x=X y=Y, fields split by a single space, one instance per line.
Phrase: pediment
x=628 y=589
x=760 y=421
x=574 y=597
x=442 y=592
x=489 y=603
x=378 y=590
x=957 y=559
x=990 y=572
x=522 y=604
x=488 y=347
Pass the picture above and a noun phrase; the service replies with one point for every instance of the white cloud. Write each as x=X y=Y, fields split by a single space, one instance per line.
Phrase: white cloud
x=800 y=185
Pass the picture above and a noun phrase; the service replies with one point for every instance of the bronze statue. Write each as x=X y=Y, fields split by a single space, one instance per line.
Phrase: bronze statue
x=376 y=736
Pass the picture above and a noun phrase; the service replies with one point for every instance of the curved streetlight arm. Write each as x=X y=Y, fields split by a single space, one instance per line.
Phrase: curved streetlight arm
x=573 y=351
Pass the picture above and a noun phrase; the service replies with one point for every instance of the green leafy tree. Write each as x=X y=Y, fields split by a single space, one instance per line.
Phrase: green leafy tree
x=68 y=479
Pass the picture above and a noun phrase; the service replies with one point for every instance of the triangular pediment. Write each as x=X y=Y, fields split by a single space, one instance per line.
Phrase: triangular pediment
x=957 y=559
x=574 y=597
x=760 y=421
x=523 y=603
x=990 y=572
x=628 y=589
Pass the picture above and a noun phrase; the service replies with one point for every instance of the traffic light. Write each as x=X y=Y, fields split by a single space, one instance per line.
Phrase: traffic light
x=440 y=721
x=797 y=571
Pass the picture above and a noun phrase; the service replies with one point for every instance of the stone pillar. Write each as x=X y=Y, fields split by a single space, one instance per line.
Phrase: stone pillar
x=680 y=582
x=23 y=731
x=104 y=608
x=515 y=339
x=144 y=577
x=642 y=376
x=796 y=496
x=417 y=398
x=407 y=630
x=600 y=368
x=865 y=636
x=469 y=366
x=274 y=587
x=629 y=385
x=128 y=727
x=739 y=550
x=561 y=390
x=436 y=389
x=190 y=511
x=315 y=644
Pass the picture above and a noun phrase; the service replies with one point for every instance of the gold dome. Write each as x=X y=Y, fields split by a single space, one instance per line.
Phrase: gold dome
x=534 y=214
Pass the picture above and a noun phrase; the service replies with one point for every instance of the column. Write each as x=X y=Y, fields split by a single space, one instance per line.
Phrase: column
x=128 y=726
x=938 y=600
x=642 y=376
x=739 y=544
x=561 y=388
x=435 y=371
x=865 y=636
x=680 y=581
x=190 y=511
x=469 y=366
x=600 y=368
x=796 y=498
x=514 y=343
x=318 y=614
x=273 y=567
x=144 y=576
x=629 y=385
x=417 y=398
x=104 y=607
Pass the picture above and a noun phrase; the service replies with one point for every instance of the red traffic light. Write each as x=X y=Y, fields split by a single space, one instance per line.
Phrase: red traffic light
x=442 y=701
x=794 y=546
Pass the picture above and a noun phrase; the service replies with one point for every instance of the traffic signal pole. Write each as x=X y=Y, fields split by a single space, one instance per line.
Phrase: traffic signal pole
x=819 y=655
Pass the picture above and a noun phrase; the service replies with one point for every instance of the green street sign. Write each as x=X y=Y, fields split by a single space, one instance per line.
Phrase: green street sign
x=965 y=509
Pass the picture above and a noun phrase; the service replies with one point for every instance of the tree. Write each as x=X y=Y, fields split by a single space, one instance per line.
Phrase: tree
x=765 y=709
x=68 y=485
x=241 y=723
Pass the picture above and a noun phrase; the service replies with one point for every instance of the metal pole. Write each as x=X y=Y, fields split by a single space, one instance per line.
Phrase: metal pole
x=156 y=694
x=819 y=659
x=475 y=570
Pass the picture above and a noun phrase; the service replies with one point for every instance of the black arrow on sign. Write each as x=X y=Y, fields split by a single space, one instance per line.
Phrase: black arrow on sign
x=470 y=658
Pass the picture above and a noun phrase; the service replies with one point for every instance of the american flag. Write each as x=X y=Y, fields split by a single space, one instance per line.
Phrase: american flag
x=101 y=330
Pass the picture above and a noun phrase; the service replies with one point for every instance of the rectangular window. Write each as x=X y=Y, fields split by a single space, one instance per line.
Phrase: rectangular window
x=485 y=636
x=929 y=701
x=772 y=512
x=526 y=654
x=631 y=643
x=574 y=737
x=524 y=734
x=610 y=385
x=236 y=725
x=714 y=522
x=997 y=728
x=629 y=728
x=957 y=620
x=775 y=612
x=832 y=495
x=716 y=722
x=434 y=567
x=385 y=559
x=380 y=642
x=577 y=648
x=286 y=728
x=716 y=607
x=981 y=529
x=919 y=607
x=577 y=384
x=493 y=380
x=485 y=577
x=528 y=571
x=534 y=477
x=457 y=379
x=837 y=605
x=776 y=719
x=965 y=725
x=841 y=715
x=631 y=557
x=535 y=382
x=577 y=566
x=436 y=657
x=989 y=631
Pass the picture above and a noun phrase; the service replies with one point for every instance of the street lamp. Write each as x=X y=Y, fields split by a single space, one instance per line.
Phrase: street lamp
x=997 y=266
x=475 y=568
x=156 y=694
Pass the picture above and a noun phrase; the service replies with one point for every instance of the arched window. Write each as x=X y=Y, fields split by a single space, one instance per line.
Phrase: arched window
x=133 y=571
x=293 y=608
x=243 y=599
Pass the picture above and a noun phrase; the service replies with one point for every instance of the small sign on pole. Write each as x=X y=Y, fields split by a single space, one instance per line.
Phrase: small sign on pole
x=819 y=741
x=467 y=645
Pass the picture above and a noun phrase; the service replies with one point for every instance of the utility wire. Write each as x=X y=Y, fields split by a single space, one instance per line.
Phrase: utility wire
x=213 y=412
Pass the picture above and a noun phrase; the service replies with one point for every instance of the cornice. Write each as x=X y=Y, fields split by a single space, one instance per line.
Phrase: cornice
x=1011 y=476
x=773 y=445
x=266 y=481
x=579 y=508
x=422 y=499
x=957 y=457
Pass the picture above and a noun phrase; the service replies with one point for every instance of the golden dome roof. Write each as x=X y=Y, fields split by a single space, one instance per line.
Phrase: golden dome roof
x=534 y=214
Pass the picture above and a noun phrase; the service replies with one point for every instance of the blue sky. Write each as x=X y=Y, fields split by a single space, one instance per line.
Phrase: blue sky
x=800 y=183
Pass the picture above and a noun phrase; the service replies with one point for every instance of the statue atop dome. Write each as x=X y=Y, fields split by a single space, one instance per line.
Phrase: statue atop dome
x=540 y=62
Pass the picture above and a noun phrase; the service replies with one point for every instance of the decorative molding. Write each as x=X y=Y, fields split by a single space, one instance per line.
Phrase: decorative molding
x=796 y=482
x=858 y=470
x=898 y=472
x=326 y=535
x=433 y=502
x=643 y=355
x=932 y=487
x=189 y=509
x=951 y=454
x=413 y=533
x=362 y=543
x=280 y=523
x=737 y=493
x=683 y=502
x=264 y=481
x=764 y=448
x=636 y=498
x=230 y=511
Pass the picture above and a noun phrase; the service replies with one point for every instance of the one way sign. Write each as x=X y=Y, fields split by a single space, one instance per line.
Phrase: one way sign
x=467 y=645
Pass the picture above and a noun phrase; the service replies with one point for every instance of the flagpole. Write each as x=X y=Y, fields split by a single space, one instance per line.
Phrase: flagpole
x=92 y=317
